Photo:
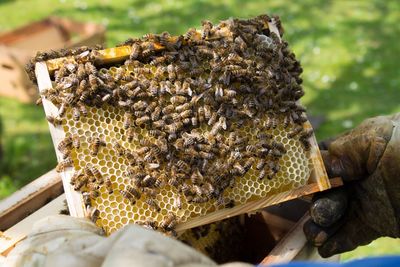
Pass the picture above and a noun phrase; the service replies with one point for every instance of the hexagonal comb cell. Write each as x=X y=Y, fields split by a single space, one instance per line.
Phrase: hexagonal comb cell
x=183 y=126
x=116 y=210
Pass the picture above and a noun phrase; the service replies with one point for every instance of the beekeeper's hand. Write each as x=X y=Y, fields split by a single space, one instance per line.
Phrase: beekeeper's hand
x=368 y=205
x=63 y=241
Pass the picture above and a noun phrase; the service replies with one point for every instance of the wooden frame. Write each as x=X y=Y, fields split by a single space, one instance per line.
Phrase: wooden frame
x=318 y=180
x=74 y=198
x=29 y=199
x=292 y=245
x=20 y=230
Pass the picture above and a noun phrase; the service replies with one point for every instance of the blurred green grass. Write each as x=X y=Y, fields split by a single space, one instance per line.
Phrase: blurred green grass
x=349 y=51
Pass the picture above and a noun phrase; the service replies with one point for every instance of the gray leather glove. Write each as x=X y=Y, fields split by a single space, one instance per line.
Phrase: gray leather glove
x=368 y=205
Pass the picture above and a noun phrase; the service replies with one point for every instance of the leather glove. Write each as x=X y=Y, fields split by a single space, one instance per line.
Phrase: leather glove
x=368 y=205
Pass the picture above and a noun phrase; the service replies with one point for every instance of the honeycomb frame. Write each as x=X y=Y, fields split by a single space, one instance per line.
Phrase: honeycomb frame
x=317 y=180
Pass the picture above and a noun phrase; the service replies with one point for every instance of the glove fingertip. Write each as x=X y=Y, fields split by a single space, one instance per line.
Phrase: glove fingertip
x=333 y=165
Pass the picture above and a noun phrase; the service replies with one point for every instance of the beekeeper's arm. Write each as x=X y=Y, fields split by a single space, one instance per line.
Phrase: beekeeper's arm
x=368 y=206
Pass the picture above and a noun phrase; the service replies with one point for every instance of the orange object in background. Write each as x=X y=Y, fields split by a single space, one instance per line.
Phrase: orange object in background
x=19 y=45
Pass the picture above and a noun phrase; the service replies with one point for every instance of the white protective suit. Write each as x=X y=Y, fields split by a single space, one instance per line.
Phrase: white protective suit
x=61 y=241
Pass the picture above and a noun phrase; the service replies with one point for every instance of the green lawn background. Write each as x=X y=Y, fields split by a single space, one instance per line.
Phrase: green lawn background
x=349 y=51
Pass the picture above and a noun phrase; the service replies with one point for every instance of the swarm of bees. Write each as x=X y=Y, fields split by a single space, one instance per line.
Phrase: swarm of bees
x=191 y=96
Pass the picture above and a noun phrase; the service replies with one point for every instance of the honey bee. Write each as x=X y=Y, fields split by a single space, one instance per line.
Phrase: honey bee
x=143 y=150
x=80 y=182
x=61 y=110
x=142 y=120
x=93 y=195
x=262 y=174
x=213 y=119
x=108 y=184
x=118 y=148
x=93 y=83
x=140 y=105
x=62 y=165
x=153 y=204
x=199 y=199
x=260 y=164
x=148 y=181
x=76 y=176
x=173 y=128
x=131 y=134
x=76 y=142
x=61 y=73
x=295 y=132
x=249 y=162
x=207 y=112
x=76 y=114
x=65 y=143
x=90 y=68
x=127 y=120
x=87 y=199
x=270 y=122
x=177 y=202
x=129 y=196
x=147 y=49
x=286 y=121
x=274 y=167
x=83 y=97
x=119 y=74
x=173 y=181
x=250 y=149
x=178 y=99
x=92 y=186
x=155 y=115
x=95 y=144
x=239 y=168
x=106 y=98
x=279 y=146
x=135 y=51
x=208 y=190
x=39 y=101
x=55 y=121
x=197 y=178
x=306 y=134
x=206 y=155
x=165 y=59
x=194 y=121
x=94 y=214
x=206 y=30
x=306 y=144
x=81 y=73
x=168 y=222
x=201 y=114
x=96 y=174
x=186 y=114
x=156 y=133
x=149 y=224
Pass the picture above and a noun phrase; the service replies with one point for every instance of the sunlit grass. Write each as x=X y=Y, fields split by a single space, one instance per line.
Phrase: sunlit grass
x=349 y=51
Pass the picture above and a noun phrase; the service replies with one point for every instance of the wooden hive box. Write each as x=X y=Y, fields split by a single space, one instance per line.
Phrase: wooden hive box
x=302 y=171
x=18 y=46
x=278 y=228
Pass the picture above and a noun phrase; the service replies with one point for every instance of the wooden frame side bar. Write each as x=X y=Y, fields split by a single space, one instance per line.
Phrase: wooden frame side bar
x=289 y=246
x=74 y=198
x=255 y=205
x=29 y=199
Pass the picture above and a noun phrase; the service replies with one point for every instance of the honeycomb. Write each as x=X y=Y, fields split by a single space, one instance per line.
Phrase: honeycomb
x=222 y=241
x=116 y=211
x=252 y=143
